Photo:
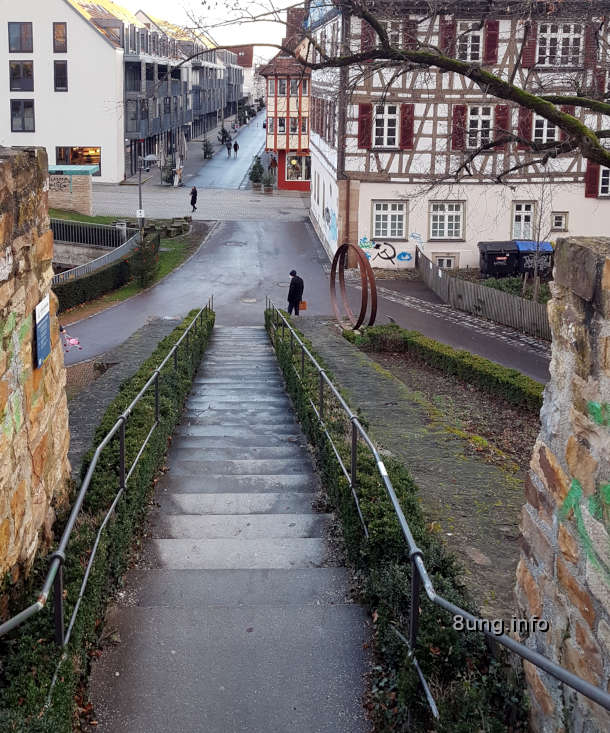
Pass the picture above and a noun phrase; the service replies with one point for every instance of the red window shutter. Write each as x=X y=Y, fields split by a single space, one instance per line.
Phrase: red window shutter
x=590 y=46
x=569 y=109
x=592 y=180
x=524 y=126
x=458 y=127
x=528 y=58
x=367 y=37
x=502 y=123
x=490 y=44
x=599 y=81
x=447 y=33
x=407 y=112
x=365 y=125
x=409 y=34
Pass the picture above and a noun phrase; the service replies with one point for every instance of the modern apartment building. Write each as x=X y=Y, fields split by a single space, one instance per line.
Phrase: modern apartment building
x=385 y=146
x=94 y=83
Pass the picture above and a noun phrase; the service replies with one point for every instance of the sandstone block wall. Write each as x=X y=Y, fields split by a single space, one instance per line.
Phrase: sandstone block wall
x=34 y=435
x=73 y=193
x=564 y=571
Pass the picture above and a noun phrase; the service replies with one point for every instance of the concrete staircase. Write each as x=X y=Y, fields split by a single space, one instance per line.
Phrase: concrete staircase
x=236 y=620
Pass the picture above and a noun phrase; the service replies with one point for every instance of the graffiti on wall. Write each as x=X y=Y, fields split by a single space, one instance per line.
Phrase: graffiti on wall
x=59 y=183
x=383 y=251
x=417 y=238
x=330 y=218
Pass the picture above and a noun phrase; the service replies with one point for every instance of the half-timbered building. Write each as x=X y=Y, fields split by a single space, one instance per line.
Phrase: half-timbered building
x=393 y=150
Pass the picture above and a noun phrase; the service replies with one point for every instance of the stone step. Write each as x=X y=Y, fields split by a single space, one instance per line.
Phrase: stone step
x=198 y=427
x=189 y=438
x=244 y=391
x=209 y=588
x=182 y=452
x=239 y=372
x=279 y=503
x=238 y=554
x=261 y=383
x=214 y=483
x=239 y=526
x=233 y=670
x=197 y=404
x=236 y=467
x=249 y=399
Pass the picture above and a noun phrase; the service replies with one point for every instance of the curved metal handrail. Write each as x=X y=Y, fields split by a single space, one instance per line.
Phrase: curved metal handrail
x=419 y=573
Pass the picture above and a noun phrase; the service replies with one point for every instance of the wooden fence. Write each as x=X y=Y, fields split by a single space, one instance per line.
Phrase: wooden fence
x=495 y=305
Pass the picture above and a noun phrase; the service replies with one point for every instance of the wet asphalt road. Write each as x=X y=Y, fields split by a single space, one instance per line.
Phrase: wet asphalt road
x=240 y=263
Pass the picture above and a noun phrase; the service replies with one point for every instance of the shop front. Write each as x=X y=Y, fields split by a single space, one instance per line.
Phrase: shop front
x=294 y=170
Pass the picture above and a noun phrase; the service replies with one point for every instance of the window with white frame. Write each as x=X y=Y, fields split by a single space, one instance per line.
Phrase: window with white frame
x=469 y=42
x=479 y=126
x=294 y=87
x=559 y=221
x=523 y=220
x=281 y=125
x=281 y=87
x=294 y=125
x=544 y=131
x=445 y=262
x=304 y=125
x=389 y=219
x=392 y=28
x=560 y=44
x=386 y=125
x=304 y=88
x=270 y=121
x=604 y=182
x=271 y=87
x=446 y=219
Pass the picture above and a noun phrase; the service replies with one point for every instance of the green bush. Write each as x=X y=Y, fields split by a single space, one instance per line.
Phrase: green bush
x=29 y=655
x=145 y=260
x=474 y=686
x=74 y=292
x=500 y=381
x=514 y=286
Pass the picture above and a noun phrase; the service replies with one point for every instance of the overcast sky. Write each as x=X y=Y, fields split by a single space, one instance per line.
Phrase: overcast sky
x=234 y=34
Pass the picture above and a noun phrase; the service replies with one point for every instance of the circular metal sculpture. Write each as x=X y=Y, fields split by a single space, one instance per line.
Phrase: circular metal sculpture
x=367 y=280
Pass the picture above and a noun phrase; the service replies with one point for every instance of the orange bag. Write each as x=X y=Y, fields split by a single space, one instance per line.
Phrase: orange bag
x=303 y=305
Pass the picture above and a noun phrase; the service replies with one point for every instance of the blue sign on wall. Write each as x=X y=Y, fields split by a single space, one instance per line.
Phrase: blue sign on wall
x=42 y=331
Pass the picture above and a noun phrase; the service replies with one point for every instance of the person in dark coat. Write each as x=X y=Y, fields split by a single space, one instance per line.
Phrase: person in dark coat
x=194 y=198
x=235 y=148
x=228 y=146
x=295 y=292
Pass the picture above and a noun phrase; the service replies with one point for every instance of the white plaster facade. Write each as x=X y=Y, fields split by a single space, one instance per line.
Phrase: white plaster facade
x=90 y=113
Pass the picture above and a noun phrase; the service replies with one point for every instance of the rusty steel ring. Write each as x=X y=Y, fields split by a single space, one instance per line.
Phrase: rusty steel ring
x=367 y=280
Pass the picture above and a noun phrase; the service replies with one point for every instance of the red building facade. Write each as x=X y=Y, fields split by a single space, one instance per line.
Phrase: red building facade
x=288 y=121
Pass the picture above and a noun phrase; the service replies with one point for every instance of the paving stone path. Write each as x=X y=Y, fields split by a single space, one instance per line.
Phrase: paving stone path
x=476 y=504
x=236 y=619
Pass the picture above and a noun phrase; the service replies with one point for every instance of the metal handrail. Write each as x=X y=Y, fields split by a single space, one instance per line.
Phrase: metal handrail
x=91 y=235
x=81 y=270
x=419 y=574
x=54 y=577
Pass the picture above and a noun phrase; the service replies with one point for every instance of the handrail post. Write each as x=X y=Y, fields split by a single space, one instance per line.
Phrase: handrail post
x=291 y=345
x=302 y=362
x=283 y=330
x=354 y=453
x=157 y=397
x=414 y=611
x=176 y=358
x=122 y=454
x=321 y=396
x=58 y=601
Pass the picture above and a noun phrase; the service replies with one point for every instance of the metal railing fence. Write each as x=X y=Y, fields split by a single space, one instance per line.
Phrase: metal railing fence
x=113 y=256
x=495 y=305
x=90 y=235
x=54 y=577
x=419 y=574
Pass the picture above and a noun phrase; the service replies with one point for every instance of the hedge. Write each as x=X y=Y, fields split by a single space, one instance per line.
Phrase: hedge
x=74 y=292
x=500 y=381
x=474 y=686
x=29 y=655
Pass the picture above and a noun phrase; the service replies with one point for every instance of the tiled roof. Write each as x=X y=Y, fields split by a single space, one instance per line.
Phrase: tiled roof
x=284 y=65
x=104 y=10
x=180 y=34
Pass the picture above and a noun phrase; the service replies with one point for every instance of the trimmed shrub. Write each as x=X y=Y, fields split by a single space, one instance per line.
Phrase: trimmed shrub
x=75 y=292
x=473 y=684
x=29 y=655
x=509 y=384
x=145 y=260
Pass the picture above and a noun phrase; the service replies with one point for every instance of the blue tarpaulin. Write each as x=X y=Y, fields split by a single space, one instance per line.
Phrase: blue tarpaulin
x=527 y=246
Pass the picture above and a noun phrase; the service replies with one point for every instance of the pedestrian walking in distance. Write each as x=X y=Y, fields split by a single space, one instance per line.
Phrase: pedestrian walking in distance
x=228 y=144
x=295 y=292
x=273 y=165
x=235 y=148
x=193 y=199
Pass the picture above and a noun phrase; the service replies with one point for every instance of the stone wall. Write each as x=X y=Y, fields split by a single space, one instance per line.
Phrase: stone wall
x=72 y=193
x=564 y=571
x=34 y=435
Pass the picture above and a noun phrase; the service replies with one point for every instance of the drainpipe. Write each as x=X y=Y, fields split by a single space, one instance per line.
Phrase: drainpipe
x=342 y=125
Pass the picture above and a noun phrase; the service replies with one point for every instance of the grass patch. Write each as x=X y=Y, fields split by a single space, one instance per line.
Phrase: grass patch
x=509 y=384
x=29 y=654
x=74 y=216
x=474 y=685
